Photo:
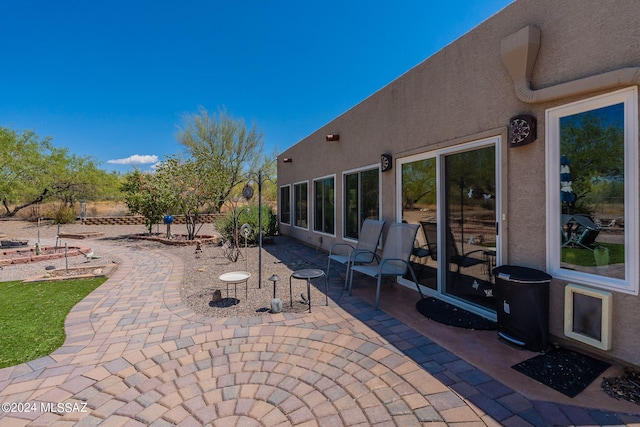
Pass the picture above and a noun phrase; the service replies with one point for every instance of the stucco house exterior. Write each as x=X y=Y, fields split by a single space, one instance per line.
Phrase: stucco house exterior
x=517 y=144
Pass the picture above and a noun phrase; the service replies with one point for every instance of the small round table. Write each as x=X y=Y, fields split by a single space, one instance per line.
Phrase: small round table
x=235 y=277
x=308 y=274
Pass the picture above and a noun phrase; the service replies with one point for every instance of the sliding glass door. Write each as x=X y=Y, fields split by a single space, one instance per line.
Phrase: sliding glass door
x=470 y=229
x=452 y=195
x=420 y=206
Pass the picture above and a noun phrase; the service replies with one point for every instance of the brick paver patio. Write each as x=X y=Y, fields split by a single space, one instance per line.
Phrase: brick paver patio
x=135 y=355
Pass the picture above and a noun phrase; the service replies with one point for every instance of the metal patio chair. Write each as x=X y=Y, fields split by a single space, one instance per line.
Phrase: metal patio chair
x=394 y=261
x=365 y=250
x=461 y=260
x=581 y=231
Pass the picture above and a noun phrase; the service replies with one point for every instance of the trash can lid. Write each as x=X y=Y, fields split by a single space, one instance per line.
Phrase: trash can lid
x=520 y=274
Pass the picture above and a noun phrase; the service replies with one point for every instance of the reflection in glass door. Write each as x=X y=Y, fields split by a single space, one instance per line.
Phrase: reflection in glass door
x=419 y=206
x=470 y=229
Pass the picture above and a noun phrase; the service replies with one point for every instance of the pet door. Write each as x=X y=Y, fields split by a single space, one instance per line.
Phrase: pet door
x=587 y=316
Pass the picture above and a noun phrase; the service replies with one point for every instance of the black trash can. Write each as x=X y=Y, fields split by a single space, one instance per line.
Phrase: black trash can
x=522 y=300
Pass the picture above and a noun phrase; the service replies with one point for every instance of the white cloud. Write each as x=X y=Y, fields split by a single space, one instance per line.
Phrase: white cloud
x=136 y=159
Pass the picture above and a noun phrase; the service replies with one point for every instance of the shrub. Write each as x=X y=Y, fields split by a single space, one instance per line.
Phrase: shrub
x=63 y=215
x=248 y=215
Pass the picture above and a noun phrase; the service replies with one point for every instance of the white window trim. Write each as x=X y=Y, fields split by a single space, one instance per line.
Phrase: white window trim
x=322 y=178
x=293 y=207
x=280 y=204
x=344 y=182
x=629 y=97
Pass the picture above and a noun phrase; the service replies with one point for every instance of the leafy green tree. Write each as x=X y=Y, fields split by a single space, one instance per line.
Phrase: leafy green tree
x=595 y=147
x=74 y=178
x=418 y=183
x=188 y=187
x=22 y=160
x=226 y=144
x=32 y=170
x=145 y=196
x=472 y=170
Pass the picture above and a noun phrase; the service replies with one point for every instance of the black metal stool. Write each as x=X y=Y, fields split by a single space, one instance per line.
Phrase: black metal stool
x=308 y=274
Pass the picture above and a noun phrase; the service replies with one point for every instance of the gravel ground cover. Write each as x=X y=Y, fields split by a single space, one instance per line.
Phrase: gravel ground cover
x=201 y=270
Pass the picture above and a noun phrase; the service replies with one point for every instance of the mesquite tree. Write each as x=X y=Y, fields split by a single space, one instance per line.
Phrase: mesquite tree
x=33 y=170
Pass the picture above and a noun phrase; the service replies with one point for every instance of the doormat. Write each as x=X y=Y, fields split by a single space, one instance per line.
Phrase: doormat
x=448 y=314
x=563 y=370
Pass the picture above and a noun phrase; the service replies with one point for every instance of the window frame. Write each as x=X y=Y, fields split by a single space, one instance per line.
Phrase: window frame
x=629 y=98
x=294 y=219
x=440 y=155
x=358 y=171
x=315 y=181
x=281 y=211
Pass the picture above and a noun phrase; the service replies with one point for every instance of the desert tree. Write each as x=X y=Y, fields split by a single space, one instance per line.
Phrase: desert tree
x=225 y=144
x=144 y=195
x=418 y=182
x=22 y=158
x=33 y=170
x=74 y=178
x=585 y=138
x=190 y=187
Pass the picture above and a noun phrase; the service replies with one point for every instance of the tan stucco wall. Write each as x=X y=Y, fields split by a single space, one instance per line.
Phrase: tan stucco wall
x=464 y=93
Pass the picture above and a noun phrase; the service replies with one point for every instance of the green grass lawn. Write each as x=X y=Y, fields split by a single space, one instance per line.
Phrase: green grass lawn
x=32 y=316
x=585 y=257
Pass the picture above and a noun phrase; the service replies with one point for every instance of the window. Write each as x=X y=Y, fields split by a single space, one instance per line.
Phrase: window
x=592 y=191
x=361 y=199
x=324 y=207
x=285 y=204
x=300 y=201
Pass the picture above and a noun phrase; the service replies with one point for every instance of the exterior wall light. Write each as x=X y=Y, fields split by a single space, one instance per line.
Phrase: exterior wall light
x=287 y=160
x=386 y=162
x=333 y=137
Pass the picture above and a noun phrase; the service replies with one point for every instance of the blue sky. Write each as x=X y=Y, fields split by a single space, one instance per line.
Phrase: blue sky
x=114 y=79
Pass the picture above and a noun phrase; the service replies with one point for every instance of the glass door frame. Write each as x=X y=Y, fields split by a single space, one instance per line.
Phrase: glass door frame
x=440 y=155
